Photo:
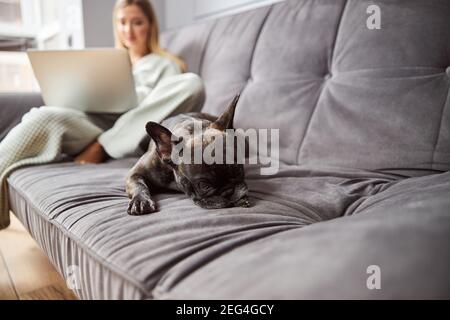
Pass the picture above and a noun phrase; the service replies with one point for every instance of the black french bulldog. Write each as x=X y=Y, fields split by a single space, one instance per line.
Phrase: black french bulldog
x=210 y=186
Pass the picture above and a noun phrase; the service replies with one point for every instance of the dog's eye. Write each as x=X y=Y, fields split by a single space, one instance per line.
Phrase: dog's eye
x=203 y=186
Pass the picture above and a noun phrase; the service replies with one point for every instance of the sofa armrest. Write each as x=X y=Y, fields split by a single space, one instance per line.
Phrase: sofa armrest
x=12 y=108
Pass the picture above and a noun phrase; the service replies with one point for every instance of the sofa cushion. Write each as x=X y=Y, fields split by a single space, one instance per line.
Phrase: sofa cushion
x=340 y=93
x=353 y=107
x=12 y=108
x=404 y=231
x=78 y=215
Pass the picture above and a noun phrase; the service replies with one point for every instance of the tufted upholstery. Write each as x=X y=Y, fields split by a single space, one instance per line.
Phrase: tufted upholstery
x=342 y=95
x=347 y=101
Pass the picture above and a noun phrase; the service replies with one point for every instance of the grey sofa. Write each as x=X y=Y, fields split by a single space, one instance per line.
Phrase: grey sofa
x=364 y=119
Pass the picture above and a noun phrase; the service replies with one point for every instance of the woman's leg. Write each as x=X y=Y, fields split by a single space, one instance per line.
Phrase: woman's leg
x=44 y=128
x=172 y=95
x=41 y=137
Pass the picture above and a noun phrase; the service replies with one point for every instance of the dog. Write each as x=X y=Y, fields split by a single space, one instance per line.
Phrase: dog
x=210 y=186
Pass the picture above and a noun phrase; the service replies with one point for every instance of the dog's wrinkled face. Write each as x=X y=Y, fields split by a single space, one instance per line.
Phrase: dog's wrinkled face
x=213 y=186
x=210 y=186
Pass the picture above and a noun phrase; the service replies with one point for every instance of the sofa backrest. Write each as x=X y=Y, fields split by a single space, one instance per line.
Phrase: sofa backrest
x=342 y=95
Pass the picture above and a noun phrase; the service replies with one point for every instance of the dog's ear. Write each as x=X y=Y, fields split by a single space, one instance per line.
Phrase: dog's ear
x=163 y=138
x=225 y=121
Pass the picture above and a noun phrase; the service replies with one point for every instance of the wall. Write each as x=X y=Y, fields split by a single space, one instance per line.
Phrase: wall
x=97 y=15
x=182 y=12
x=97 y=18
x=160 y=8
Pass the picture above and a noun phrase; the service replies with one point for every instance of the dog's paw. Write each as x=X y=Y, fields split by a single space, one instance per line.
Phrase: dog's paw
x=243 y=202
x=141 y=205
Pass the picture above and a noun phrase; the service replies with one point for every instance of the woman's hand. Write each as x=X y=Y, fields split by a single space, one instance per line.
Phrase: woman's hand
x=94 y=153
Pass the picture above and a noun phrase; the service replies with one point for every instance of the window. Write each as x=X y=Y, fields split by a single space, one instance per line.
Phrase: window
x=15 y=73
x=10 y=11
x=41 y=24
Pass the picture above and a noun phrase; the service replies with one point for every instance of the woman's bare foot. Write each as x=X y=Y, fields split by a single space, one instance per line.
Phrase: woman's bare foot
x=94 y=153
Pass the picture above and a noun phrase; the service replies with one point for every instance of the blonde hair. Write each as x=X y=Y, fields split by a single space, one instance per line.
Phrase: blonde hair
x=153 y=35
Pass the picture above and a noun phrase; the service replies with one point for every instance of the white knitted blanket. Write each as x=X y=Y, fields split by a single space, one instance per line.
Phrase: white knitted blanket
x=35 y=143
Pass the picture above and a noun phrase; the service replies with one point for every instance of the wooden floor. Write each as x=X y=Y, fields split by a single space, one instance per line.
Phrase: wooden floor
x=25 y=271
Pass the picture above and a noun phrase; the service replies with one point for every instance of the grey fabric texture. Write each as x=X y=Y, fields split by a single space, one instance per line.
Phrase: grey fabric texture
x=364 y=119
x=340 y=94
x=13 y=107
x=304 y=228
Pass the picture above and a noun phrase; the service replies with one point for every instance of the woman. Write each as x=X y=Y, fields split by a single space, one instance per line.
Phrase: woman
x=162 y=89
x=136 y=29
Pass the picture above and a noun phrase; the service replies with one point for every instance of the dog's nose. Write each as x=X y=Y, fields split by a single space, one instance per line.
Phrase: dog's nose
x=243 y=202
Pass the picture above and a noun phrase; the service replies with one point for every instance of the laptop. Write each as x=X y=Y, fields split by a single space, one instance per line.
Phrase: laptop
x=92 y=80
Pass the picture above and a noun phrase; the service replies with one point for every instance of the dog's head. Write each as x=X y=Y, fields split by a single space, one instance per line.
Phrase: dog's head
x=210 y=185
